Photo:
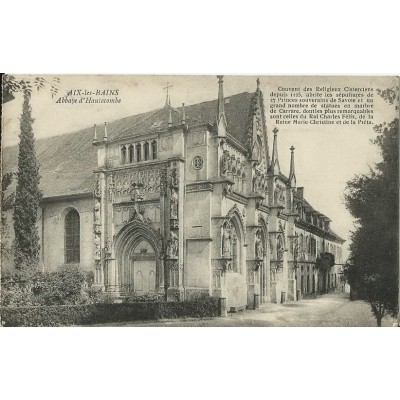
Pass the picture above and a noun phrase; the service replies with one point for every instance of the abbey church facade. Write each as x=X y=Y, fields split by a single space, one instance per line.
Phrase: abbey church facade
x=184 y=203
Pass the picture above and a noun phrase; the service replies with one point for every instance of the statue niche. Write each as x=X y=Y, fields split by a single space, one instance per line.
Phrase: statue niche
x=225 y=162
x=227 y=240
x=174 y=204
x=259 y=248
x=173 y=245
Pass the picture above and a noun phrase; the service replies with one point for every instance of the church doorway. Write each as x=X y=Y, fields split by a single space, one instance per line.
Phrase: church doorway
x=137 y=253
x=142 y=276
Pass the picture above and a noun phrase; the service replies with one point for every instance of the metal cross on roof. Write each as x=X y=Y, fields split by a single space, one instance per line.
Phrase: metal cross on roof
x=167 y=100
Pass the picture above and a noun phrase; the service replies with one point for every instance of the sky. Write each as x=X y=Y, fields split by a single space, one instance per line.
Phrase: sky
x=326 y=156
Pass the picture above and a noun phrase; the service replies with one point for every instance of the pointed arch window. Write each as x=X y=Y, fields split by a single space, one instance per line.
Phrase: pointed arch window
x=72 y=237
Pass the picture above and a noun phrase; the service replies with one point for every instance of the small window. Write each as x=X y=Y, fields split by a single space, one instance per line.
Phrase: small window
x=72 y=237
x=131 y=153
x=154 y=149
x=198 y=162
x=123 y=155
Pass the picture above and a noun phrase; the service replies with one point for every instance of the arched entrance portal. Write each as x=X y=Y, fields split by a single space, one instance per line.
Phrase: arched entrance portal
x=140 y=269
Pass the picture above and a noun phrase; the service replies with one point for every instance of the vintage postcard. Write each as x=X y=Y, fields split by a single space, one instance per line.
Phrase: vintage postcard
x=134 y=200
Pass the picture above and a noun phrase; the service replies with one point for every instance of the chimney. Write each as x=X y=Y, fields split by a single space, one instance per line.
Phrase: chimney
x=95 y=133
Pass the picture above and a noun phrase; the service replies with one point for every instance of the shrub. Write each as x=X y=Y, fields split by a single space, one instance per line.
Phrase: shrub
x=95 y=295
x=63 y=286
x=64 y=315
x=141 y=298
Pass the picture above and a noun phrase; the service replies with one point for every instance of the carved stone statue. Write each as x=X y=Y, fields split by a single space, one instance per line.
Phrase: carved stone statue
x=97 y=251
x=97 y=212
x=226 y=241
x=174 y=204
x=174 y=177
x=279 y=248
x=224 y=162
x=107 y=248
x=173 y=245
x=259 y=248
x=295 y=248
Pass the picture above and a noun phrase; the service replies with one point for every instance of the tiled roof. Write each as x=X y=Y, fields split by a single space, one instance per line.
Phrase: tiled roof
x=237 y=108
x=310 y=208
x=67 y=161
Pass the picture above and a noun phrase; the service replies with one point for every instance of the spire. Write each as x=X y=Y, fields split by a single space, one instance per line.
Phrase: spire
x=274 y=161
x=221 y=118
x=220 y=106
x=258 y=84
x=95 y=133
x=292 y=175
x=105 y=132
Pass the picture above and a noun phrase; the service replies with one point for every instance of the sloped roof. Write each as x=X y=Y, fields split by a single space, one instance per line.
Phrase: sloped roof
x=67 y=161
x=237 y=108
x=310 y=208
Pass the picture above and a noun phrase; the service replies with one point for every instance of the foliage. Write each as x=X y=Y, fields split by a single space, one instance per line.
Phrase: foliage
x=96 y=296
x=105 y=313
x=27 y=196
x=373 y=200
x=63 y=286
x=325 y=261
x=7 y=203
x=135 y=298
x=13 y=85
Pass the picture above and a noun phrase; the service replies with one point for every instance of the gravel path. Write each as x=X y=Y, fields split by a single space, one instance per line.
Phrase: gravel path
x=334 y=309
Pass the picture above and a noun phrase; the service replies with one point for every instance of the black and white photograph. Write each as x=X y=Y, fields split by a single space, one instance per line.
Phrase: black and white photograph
x=202 y=200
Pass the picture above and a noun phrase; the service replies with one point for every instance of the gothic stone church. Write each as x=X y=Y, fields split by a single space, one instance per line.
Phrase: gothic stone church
x=183 y=202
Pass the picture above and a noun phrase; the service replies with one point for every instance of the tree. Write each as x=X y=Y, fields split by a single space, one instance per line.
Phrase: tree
x=27 y=196
x=7 y=203
x=373 y=200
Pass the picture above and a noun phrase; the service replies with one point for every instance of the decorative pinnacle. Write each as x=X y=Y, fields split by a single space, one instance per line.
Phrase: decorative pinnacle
x=292 y=173
x=221 y=100
x=169 y=117
x=105 y=131
x=183 y=114
x=275 y=131
x=258 y=84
